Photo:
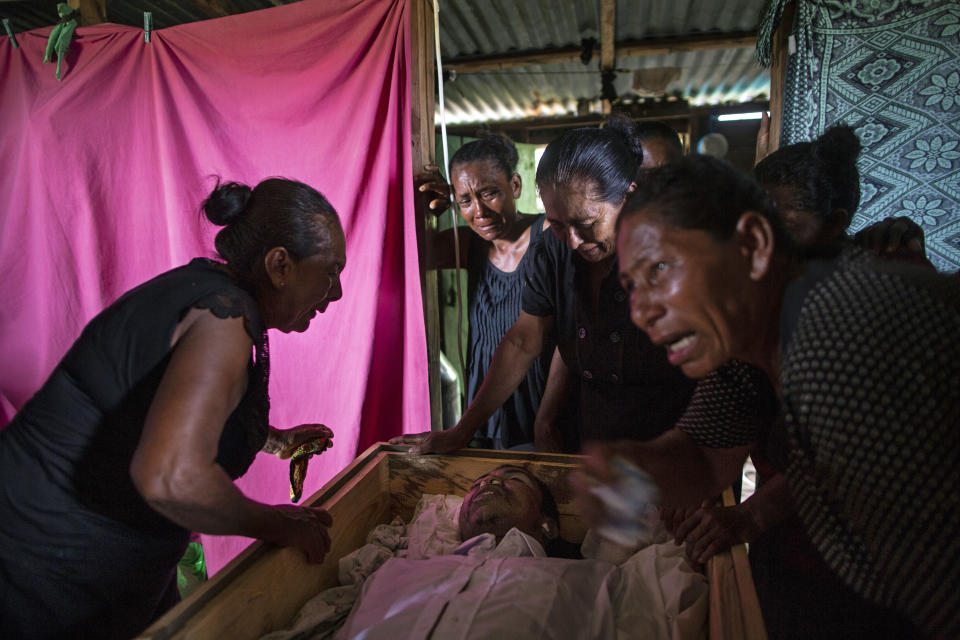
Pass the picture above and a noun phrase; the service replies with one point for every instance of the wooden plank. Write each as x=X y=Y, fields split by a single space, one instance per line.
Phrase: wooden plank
x=752 y=616
x=608 y=33
x=422 y=106
x=625 y=49
x=703 y=42
x=734 y=607
x=91 y=11
x=724 y=598
x=214 y=8
x=778 y=74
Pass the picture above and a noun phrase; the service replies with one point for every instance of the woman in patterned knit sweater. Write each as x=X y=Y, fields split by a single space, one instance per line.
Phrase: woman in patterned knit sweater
x=866 y=362
x=816 y=189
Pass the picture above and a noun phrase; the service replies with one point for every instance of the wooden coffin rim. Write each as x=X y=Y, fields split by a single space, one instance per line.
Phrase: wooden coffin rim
x=175 y=619
x=728 y=574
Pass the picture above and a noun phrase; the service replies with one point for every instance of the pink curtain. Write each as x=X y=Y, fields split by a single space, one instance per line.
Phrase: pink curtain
x=101 y=176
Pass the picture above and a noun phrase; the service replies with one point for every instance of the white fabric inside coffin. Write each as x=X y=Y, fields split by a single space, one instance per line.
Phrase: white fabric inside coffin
x=419 y=581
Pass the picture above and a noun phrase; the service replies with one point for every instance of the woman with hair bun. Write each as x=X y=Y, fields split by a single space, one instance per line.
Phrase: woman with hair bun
x=485 y=184
x=816 y=188
x=136 y=437
x=815 y=185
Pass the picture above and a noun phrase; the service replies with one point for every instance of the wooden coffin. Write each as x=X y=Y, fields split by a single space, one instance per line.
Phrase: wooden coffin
x=264 y=587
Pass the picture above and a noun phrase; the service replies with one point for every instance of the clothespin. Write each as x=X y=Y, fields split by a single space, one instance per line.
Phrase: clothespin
x=147 y=25
x=13 y=39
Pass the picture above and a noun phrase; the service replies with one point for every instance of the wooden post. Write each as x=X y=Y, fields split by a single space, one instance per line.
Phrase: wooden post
x=91 y=11
x=778 y=73
x=608 y=34
x=422 y=106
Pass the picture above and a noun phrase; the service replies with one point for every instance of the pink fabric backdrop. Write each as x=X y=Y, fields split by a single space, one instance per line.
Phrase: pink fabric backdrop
x=101 y=176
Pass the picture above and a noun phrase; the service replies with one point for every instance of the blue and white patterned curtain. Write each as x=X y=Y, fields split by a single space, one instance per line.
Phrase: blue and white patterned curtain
x=891 y=70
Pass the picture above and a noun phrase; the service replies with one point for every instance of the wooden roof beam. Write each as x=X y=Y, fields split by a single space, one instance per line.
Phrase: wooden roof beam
x=91 y=11
x=627 y=49
x=608 y=33
x=608 y=46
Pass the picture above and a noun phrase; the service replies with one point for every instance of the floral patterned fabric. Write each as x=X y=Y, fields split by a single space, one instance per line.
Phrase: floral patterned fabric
x=891 y=70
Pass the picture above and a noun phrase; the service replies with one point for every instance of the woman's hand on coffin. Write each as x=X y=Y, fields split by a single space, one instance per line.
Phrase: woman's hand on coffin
x=711 y=530
x=302 y=527
x=283 y=442
x=673 y=517
x=433 y=441
x=430 y=185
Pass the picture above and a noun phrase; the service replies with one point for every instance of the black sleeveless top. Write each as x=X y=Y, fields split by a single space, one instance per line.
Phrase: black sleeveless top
x=493 y=298
x=70 y=515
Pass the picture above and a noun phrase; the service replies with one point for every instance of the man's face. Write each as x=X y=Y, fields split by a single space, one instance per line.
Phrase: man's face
x=498 y=501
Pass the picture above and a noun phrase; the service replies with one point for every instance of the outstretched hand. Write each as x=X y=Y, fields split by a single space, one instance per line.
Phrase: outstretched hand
x=284 y=442
x=432 y=185
x=432 y=441
x=596 y=470
x=893 y=235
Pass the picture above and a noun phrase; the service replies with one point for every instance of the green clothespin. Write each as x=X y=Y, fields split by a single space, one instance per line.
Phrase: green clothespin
x=147 y=25
x=13 y=39
x=59 y=40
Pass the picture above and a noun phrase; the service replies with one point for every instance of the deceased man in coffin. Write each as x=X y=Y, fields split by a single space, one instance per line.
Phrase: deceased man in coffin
x=491 y=565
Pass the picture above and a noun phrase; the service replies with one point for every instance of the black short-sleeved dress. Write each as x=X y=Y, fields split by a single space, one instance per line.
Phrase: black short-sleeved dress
x=628 y=388
x=870 y=435
x=493 y=298
x=81 y=552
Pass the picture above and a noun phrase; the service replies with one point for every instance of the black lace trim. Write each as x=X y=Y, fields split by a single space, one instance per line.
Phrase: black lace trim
x=252 y=414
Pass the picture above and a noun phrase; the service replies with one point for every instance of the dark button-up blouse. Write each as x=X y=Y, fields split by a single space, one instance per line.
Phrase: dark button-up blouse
x=627 y=387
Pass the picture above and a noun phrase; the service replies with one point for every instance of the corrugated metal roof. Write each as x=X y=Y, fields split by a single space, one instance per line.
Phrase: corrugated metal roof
x=703 y=78
x=483 y=27
x=470 y=28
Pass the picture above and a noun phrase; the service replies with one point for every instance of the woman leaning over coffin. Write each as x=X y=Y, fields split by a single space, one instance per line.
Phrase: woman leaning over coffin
x=865 y=359
x=137 y=435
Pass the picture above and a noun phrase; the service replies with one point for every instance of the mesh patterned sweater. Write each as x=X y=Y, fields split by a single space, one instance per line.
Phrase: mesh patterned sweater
x=870 y=383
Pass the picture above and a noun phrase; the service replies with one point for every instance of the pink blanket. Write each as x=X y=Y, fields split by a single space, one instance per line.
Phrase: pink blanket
x=101 y=176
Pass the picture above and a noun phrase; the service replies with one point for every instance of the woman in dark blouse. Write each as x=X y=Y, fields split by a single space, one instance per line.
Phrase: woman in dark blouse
x=134 y=440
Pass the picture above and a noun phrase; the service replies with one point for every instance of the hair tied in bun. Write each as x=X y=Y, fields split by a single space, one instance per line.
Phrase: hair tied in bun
x=227 y=203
